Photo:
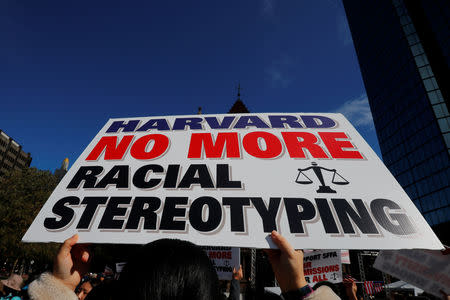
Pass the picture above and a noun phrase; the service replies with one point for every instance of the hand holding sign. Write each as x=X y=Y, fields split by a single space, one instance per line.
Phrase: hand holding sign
x=287 y=264
x=350 y=287
x=71 y=262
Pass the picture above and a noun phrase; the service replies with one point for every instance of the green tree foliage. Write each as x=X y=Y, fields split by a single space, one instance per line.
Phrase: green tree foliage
x=22 y=195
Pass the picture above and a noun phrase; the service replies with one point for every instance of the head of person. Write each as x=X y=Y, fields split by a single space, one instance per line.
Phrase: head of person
x=12 y=285
x=85 y=288
x=104 y=291
x=169 y=269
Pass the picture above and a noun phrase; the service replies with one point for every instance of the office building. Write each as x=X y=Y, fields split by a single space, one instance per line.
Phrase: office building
x=12 y=157
x=403 y=51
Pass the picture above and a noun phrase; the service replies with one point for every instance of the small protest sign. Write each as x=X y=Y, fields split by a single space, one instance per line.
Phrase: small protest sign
x=120 y=266
x=322 y=266
x=426 y=269
x=224 y=259
x=230 y=180
x=345 y=257
x=108 y=271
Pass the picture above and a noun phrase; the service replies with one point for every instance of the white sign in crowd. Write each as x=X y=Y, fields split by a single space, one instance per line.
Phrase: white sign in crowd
x=425 y=269
x=345 y=257
x=120 y=266
x=224 y=260
x=324 y=265
x=229 y=180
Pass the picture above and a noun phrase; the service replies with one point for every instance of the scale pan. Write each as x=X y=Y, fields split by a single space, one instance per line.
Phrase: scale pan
x=338 y=179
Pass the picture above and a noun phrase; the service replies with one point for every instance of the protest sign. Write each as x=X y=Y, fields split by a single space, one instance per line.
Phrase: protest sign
x=322 y=266
x=229 y=180
x=120 y=266
x=345 y=257
x=108 y=272
x=224 y=259
x=425 y=269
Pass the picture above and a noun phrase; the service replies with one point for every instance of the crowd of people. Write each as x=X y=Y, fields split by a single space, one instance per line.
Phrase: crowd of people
x=166 y=269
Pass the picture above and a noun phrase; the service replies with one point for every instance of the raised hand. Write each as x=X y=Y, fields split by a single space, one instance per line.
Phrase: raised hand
x=71 y=262
x=350 y=288
x=287 y=264
x=238 y=275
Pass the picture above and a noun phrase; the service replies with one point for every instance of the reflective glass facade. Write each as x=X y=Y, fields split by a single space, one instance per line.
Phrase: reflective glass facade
x=403 y=52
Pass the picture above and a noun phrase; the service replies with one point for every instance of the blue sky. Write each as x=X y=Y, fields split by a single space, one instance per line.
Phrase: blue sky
x=66 y=67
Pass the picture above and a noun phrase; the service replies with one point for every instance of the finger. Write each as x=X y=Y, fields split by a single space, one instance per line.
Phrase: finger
x=66 y=247
x=300 y=252
x=282 y=243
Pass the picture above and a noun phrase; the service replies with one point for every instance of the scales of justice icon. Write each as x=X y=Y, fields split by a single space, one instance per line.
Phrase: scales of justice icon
x=302 y=178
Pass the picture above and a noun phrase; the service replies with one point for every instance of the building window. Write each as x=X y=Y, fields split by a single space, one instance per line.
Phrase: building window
x=417 y=49
x=444 y=124
x=425 y=72
x=421 y=60
x=435 y=97
x=430 y=84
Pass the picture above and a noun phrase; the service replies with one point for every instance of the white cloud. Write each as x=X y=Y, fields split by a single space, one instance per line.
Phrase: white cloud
x=278 y=78
x=357 y=111
x=267 y=8
x=279 y=73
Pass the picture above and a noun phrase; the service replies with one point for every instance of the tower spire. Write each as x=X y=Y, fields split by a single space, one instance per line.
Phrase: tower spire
x=238 y=106
x=239 y=91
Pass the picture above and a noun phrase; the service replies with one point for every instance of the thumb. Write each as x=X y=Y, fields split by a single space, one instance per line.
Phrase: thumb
x=282 y=243
x=66 y=247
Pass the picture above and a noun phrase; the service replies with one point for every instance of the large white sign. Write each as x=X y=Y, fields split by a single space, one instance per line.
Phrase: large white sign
x=224 y=260
x=425 y=269
x=322 y=266
x=230 y=180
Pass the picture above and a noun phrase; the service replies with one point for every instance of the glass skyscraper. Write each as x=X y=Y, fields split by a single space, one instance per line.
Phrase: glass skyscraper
x=403 y=51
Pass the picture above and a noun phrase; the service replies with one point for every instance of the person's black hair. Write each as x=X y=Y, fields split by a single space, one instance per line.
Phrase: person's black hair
x=7 y=290
x=169 y=269
x=103 y=291
x=93 y=281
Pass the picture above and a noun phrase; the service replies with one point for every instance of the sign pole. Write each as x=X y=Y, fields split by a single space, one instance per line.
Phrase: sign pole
x=362 y=274
x=386 y=285
x=253 y=268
